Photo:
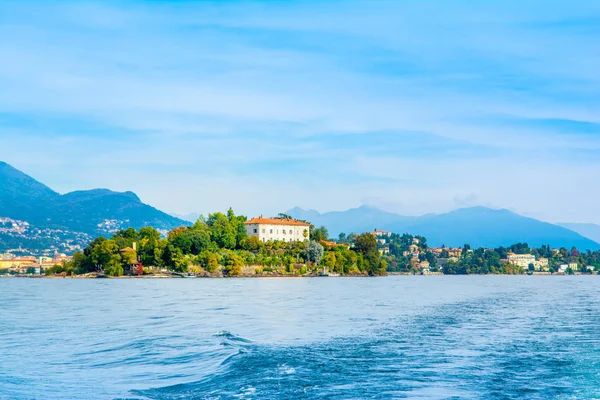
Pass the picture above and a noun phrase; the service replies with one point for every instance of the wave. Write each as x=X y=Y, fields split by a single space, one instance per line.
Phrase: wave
x=478 y=349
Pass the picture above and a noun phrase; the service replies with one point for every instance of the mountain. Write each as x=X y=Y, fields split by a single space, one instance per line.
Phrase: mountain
x=485 y=227
x=590 y=231
x=361 y=219
x=193 y=217
x=92 y=212
x=21 y=196
x=478 y=226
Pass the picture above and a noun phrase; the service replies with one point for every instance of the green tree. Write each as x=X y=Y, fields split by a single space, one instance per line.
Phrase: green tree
x=366 y=245
x=233 y=265
x=102 y=253
x=319 y=234
x=114 y=267
x=223 y=232
x=251 y=243
x=314 y=252
x=208 y=261
x=330 y=261
x=129 y=257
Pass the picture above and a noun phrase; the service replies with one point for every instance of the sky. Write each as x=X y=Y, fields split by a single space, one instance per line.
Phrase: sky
x=413 y=106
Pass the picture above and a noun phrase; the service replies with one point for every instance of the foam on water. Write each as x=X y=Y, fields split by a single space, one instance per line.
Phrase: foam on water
x=445 y=337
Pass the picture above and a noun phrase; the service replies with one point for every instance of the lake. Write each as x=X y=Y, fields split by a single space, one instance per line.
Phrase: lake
x=425 y=337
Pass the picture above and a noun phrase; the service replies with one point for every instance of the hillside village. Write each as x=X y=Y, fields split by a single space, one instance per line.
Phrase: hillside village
x=231 y=245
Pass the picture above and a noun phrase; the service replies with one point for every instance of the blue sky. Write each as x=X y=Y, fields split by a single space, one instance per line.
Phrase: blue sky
x=412 y=106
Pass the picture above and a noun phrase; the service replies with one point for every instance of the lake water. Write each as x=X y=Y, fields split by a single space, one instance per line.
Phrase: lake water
x=433 y=337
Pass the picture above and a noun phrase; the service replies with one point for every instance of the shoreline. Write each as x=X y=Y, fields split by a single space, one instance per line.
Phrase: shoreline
x=392 y=274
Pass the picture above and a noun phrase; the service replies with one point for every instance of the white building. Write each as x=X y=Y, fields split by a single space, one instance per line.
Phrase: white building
x=380 y=233
x=271 y=229
x=521 y=260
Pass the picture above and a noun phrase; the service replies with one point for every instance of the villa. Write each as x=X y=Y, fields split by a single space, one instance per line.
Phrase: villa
x=521 y=260
x=278 y=229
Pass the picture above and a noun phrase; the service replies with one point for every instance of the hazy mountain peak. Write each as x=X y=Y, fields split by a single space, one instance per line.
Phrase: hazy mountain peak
x=24 y=198
x=478 y=226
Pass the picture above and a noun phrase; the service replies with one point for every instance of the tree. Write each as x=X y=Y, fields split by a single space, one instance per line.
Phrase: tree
x=330 y=261
x=319 y=234
x=383 y=266
x=222 y=231
x=570 y=271
x=129 y=257
x=366 y=245
x=102 y=253
x=342 y=238
x=531 y=267
x=208 y=261
x=251 y=243
x=233 y=265
x=314 y=252
x=114 y=266
x=174 y=259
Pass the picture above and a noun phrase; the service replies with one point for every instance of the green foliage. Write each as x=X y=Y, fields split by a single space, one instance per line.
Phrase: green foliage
x=221 y=240
x=314 y=252
x=251 y=243
x=129 y=257
x=208 y=260
x=319 y=234
x=233 y=265
x=114 y=267
x=330 y=261
x=102 y=254
x=366 y=245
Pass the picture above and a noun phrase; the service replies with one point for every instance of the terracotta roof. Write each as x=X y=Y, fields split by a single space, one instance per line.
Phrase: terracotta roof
x=275 y=221
x=127 y=249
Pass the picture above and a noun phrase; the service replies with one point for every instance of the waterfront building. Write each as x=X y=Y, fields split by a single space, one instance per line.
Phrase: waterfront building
x=542 y=264
x=271 y=229
x=521 y=260
x=17 y=262
x=573 y=266
x=563 y=268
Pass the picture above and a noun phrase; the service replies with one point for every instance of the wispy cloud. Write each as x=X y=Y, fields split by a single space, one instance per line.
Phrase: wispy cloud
x=267 y=105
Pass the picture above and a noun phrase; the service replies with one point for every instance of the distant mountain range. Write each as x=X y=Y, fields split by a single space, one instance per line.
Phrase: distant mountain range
x=101 y=211
x=193 y=217
x=477 y=226
x=23 y=198
x=590 y=231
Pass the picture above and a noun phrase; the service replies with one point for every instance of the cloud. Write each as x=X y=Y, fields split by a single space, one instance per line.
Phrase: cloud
x=418 y=104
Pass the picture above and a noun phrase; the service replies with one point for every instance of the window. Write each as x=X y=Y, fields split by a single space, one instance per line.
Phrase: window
x=283 y=231
x=263 y=231
x=271 y=231
x=255 y=230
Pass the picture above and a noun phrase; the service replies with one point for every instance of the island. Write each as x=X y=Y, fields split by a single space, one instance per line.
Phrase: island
x=230 y=245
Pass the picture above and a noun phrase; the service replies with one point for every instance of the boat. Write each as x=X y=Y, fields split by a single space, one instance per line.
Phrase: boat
x=329 y=275
x=181 y=275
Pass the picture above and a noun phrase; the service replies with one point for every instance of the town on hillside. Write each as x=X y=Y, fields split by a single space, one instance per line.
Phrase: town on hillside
x=226 y=244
